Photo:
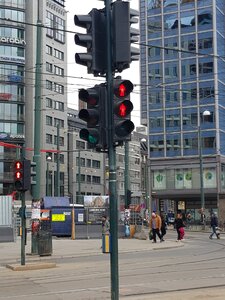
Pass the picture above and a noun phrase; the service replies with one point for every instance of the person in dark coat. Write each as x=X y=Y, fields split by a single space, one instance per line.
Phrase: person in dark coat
x=214 y=225
x=180 y=227
x=163 y=226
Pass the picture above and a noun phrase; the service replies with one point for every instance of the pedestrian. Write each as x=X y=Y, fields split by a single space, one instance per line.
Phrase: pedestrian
x=163 y=226
x=155 y=226
x=105 y=225
x=179 y=223
x=214 y=225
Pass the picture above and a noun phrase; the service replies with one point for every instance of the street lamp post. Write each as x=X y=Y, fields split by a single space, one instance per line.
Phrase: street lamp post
x=205 y=113
x=49 y=159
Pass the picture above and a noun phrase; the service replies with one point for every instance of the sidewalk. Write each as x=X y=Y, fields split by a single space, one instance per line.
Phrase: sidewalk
x=62 y=248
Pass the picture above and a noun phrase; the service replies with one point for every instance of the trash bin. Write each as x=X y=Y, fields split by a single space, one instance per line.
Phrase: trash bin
x=106 y=243
x=44 y=239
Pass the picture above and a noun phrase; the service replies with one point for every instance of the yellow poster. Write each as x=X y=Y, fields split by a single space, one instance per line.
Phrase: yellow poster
x=58 y=217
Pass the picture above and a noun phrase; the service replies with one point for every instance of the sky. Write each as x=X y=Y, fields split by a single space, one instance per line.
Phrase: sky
x=78 y=77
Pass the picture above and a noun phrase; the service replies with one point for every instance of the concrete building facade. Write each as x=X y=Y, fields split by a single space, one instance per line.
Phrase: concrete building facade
x=53 y=50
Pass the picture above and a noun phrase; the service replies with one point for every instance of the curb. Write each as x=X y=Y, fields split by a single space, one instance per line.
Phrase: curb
x=29 y=267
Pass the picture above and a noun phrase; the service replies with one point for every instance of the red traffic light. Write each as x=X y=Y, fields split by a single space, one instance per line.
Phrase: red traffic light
x=18 y=165
x=123 y=109
x=18 y=175
x=123 y=88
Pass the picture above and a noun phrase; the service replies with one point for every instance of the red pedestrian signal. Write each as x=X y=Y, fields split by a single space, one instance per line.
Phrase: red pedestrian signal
x=18 y=175
x=22 y=175
x=123 y=126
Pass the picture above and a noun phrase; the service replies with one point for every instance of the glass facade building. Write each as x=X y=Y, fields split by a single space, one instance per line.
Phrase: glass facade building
x=12 y=87
x=182 y=66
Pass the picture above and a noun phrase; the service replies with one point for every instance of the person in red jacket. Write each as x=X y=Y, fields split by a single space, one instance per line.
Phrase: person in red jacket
x=155 y=224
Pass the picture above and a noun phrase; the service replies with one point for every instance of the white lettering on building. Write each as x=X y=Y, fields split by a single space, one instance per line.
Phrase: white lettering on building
x=11 y=40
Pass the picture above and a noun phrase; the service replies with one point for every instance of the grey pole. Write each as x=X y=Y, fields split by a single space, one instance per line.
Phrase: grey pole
x=58 y=165
x=201 y=173
x=37 y=127
x=79 y=177
x=126 y=174
x=112 y=163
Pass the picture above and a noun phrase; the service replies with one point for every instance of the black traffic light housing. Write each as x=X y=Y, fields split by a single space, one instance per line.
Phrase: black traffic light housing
x=94 y=40
x=123 y=126
x=22 y=175
x=123 y=35
x=95 y=116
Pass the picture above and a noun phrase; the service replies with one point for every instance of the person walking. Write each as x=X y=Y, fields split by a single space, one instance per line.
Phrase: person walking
x=163 y=226
x=214 y=225
x=155 y=224
x=179 y=227
x=105 y=225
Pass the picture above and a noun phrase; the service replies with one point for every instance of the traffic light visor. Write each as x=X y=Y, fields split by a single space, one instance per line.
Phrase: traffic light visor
x=89 y=96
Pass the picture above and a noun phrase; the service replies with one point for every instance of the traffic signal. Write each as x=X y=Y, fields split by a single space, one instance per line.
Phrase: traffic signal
x=95 y=116
x=22 y=175
x=123 y=35
x=123 y=126
x=94 y=40
x=128 y=198
x=33 y=172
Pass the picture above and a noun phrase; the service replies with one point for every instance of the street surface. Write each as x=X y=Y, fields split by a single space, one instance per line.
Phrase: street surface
x=169 y=270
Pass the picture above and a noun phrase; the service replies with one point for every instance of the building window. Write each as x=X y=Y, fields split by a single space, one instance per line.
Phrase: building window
x=59 y=105
x=80 y=178
x=48 y=120
x=59 y=54
x=96 y=179
x=60 y=29
x=48 y=49
x=48 y=67
x=59 y=122
x=58 y=71
x=49 y=102
x=61 y=140
x=88 y=178
x=50 y=23
x=96 y=164
x=49 y=85
x=81 y=160
x=48 y=138
x=58 y=88
x=89 y=163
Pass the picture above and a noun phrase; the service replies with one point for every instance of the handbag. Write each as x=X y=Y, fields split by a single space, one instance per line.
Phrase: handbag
x=150 y=235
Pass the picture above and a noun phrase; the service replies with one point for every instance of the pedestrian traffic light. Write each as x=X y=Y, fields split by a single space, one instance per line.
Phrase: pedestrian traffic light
x=123 y=35
x=94 y=40
x=123 y=126
x=22 y=175
x=95 y=116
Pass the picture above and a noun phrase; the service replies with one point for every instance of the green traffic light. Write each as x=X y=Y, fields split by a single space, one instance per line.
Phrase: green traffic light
x=92 y=139
x=91 y=136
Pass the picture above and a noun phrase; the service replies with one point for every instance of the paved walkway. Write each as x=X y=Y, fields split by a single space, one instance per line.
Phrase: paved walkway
x=11 y=252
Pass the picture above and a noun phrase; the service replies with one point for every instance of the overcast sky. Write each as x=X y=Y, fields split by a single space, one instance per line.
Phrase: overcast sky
x=78 y=74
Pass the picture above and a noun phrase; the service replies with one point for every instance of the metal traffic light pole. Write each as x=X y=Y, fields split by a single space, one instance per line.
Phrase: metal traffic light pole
x=112 y=163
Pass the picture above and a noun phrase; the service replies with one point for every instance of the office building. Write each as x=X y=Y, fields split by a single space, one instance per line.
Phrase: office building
x=182 y=102
x=12 y=88
x=52 y=89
